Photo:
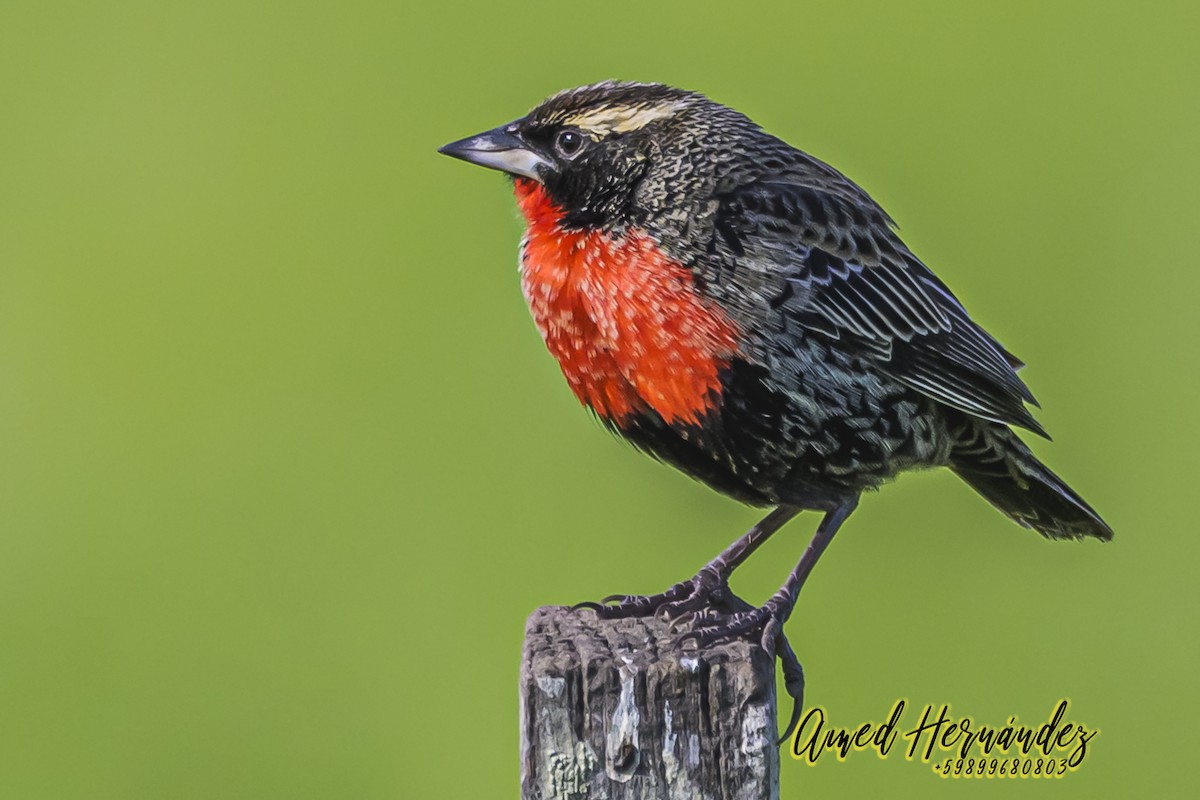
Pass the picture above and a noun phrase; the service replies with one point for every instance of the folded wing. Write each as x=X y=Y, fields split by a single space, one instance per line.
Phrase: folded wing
x=849 y=278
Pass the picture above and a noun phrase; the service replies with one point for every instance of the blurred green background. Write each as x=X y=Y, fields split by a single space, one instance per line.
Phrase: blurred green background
x=284 y=465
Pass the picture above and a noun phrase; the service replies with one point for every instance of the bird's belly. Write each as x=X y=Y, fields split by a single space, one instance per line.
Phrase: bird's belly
x=622 y=319
x=812 y=434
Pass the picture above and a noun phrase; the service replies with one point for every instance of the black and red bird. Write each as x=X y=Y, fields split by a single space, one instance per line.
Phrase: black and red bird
x=744 y=312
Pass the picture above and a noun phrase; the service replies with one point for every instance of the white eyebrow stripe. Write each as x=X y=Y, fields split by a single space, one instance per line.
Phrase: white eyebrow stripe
x=623 y=118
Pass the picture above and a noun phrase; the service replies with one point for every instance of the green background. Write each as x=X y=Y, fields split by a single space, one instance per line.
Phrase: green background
x=284 y=465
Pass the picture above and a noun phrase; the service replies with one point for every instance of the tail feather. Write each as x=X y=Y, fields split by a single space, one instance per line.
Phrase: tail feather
x=1000 y=467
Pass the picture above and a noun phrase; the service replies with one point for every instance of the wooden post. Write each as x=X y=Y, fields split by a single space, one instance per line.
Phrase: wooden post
x=615 y=710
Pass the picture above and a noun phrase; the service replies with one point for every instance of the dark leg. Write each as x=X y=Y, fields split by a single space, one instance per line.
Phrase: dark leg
x=772 y=614
x=709 y=585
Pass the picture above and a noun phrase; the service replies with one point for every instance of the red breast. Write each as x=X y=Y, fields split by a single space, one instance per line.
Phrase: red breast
x=622 y=319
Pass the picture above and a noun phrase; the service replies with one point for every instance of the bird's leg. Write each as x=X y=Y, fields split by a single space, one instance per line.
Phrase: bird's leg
x=771 y=615
x=707 y=588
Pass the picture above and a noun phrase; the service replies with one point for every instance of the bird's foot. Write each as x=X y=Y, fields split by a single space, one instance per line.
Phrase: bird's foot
x=708 y=590
x=766 y=621
x=708 y=597
x=717 y=613
x=781 y=648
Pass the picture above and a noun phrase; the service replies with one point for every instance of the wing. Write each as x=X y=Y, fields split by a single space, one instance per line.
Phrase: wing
x=849 y=277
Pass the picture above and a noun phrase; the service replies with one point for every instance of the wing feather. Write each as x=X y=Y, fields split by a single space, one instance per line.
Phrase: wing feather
x=855 y=282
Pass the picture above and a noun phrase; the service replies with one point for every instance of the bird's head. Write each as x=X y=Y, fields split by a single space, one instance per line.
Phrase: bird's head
x=610 y=154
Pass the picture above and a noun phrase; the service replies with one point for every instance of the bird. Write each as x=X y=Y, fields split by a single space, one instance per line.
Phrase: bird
x=744 y=312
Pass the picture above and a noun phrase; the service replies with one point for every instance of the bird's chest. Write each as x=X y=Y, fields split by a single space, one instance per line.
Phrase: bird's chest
x=622 y=319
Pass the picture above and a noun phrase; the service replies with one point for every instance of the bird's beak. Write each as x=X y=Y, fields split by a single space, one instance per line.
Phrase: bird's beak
x=503 y=149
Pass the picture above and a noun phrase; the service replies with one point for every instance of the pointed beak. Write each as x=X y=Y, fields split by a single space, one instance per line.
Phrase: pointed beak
x=503 y=149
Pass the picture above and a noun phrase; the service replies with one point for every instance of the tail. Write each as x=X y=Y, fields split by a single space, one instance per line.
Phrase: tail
x=1000 y=467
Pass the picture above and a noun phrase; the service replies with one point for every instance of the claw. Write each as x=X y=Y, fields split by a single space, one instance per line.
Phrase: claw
x=705 y=589
x=770 y=634
x=793 y=721
x=587 y=605
x=793 y=681
x=681 y=621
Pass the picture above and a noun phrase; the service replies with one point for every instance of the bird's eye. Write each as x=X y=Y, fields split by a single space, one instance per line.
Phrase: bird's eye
x=569 y=143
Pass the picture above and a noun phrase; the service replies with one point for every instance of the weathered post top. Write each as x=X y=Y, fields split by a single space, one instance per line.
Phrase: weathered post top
x=615 y=710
